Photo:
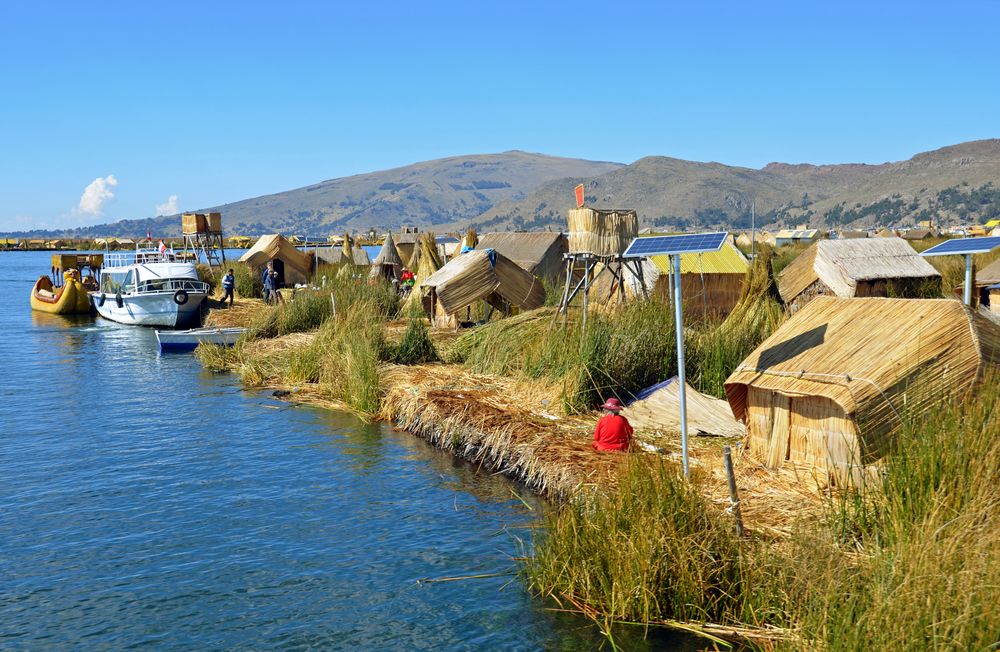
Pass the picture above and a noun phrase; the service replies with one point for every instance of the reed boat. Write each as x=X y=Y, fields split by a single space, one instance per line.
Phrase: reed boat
x=149 y=287
x=70 y=298
x=190 y=339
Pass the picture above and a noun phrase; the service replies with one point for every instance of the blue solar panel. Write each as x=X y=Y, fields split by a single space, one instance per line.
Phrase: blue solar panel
x=676 y=244
x=963 y=246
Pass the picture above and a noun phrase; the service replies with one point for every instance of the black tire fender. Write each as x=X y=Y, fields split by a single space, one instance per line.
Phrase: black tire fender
x=118 y=300
x=180 y=297
x=101 y=299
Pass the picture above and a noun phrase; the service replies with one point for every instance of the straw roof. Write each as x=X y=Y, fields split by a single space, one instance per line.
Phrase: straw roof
x=335 y=256
x=276 y=246
x=841 y=264
x=477 y=274
x=388 y=255
x=989 y=274
x=539 y=252
x=727 y=260
x=871 y=356
x=918 y=234
x=658 y=409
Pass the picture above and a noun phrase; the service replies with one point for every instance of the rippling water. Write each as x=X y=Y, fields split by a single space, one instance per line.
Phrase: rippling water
x=146 y=503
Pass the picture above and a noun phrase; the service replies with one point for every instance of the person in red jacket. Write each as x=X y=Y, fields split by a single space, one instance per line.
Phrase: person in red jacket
x=613 y=431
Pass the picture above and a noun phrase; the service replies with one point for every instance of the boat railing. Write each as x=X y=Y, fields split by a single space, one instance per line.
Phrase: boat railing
x=143 y=254
x=172 y=285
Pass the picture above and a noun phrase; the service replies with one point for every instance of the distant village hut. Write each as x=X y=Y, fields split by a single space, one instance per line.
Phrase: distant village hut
x=387 y=264
x=851 y=235
x=796 y=236
x=479 y=275
x=292 y=265
x=336 y=256
x=406 y=243
x=830 y=388
x=746 y=240
x=872 y=267
x=886 y=233
x=918 y=234
x=982 y=281
x=539 y=252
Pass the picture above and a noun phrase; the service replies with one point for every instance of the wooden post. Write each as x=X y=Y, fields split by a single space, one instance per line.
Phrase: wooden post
x=734 y=498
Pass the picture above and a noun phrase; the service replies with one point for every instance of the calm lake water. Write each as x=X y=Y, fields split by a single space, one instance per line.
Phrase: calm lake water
x=146 y=503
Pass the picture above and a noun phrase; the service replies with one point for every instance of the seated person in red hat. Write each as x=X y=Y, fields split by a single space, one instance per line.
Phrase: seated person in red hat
x=613 y=431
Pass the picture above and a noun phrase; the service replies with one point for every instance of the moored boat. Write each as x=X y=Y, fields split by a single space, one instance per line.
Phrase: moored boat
x=149 y=288
x=70 y=298
x=190 y=339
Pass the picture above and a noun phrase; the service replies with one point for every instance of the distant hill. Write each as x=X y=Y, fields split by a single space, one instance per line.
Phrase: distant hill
x=519 y=190
x=954 y=184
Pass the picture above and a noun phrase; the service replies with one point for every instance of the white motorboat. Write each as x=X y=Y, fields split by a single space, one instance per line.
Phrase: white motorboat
x=149 y=287
x=190 y=339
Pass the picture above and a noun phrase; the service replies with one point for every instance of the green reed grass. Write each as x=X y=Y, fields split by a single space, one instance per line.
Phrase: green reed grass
x=207 y=275
x=416 y=346
x=248 y=281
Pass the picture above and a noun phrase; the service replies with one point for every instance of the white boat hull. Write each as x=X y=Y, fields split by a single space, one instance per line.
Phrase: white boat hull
x=190 y=339
x=149 y=308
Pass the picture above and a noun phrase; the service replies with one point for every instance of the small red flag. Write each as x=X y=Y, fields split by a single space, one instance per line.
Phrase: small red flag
x=579 y=195
x=149 y=235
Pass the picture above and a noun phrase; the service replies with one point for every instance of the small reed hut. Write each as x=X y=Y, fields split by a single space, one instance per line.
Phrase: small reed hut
x=387 y=263
x=982 y=280
x=869 y=267
x=481 y=274
x=292 y=265
x=539 y=252
x=830 y=387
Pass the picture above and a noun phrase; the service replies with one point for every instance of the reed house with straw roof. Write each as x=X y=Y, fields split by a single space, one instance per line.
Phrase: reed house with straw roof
x=830 y=388
x=869 y=267
x=292 y=265
x=539 y=252
x=479 y=275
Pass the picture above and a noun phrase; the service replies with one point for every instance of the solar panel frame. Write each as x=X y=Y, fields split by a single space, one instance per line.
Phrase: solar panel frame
x=962 y=246
x=667 y=245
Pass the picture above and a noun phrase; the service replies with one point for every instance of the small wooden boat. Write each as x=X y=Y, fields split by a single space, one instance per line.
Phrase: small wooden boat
x=190 y=339
x=69 y=299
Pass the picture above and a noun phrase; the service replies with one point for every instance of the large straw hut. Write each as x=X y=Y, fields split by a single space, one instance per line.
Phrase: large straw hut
x=831 y=386
x=387 y=264
x=539 y=252
x=292 y=265
x=869 y=267
x=481 y=274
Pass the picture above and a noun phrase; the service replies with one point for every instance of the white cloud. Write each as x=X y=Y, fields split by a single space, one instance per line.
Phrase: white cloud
x=96 y=195
x=168 y=208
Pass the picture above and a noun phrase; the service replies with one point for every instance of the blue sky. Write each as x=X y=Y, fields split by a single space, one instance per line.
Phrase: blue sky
x=214 y=102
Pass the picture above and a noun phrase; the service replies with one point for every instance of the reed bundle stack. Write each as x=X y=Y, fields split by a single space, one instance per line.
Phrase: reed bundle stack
x=601 y=232
x=193 y=223
x=471 y=239
x=832 y=386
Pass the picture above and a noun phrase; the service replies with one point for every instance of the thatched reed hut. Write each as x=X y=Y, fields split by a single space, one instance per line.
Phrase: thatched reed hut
x=918 y=234
x=481 y=274
x=831 y=386
x=336 y=256
x=388 y=263
x=601 y=232
x=886 y=233
x=539 y=252
x=745 y=240
x=982 y=280
x=870 y=267
x=406 y=242
x=795 y=236
x=292 y=265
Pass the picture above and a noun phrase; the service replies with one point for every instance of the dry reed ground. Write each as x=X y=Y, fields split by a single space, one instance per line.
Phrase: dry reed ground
x=516 y=427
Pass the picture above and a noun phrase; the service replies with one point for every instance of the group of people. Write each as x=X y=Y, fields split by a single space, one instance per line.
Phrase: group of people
x=269 y=280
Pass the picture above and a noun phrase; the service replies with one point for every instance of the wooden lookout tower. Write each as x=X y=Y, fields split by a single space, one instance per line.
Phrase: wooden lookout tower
x=203 y=237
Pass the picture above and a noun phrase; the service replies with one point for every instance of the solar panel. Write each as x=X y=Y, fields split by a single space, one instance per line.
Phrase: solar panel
x=676 y=244
x=963 y=246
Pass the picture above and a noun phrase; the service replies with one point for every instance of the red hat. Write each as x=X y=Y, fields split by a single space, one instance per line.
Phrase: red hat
x=612 y=404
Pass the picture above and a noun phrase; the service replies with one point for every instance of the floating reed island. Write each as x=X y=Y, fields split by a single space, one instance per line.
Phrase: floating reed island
x=870 y=525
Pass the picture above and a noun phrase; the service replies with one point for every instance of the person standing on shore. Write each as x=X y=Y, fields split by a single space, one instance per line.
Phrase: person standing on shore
x=269 y=278
x=228 y=286
x=613 y=431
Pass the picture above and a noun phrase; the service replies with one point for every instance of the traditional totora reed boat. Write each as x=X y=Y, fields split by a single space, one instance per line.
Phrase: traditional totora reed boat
x=68 y=299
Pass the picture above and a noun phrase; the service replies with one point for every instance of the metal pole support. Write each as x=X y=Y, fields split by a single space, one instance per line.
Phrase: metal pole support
x=679 y=325
x=968 y=279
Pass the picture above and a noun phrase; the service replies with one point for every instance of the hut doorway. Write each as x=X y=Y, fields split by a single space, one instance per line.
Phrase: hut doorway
x=279 y=267
x=809 y=430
